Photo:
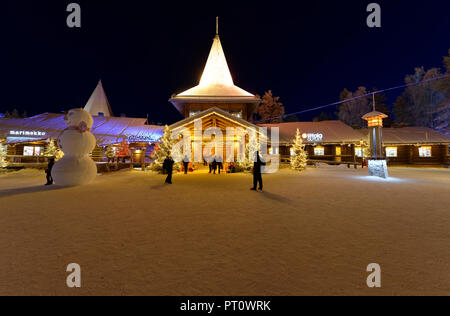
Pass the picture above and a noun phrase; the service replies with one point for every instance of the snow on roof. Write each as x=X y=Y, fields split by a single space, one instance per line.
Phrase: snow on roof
x=216 y=80
x=107 y=130
x=98 y=102
x=333 y=132
x=412 y=136
x=374 y=114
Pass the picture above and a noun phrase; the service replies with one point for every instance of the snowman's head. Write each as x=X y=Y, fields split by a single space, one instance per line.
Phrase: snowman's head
x=75 y=116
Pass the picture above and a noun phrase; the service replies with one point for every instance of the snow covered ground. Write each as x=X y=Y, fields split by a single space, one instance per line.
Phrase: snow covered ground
x=312 y=233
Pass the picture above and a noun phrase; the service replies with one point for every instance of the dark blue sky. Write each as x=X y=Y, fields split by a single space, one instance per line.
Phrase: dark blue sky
x=145 y=51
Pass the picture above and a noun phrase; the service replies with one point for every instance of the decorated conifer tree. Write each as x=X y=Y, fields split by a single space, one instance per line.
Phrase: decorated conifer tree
x=3 y=153
x=51 y=150
x=299 y=159
x=162 y=150
x=250 y=152
x=110 y=153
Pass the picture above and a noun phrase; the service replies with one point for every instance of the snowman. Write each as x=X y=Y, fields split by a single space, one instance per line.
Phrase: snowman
x=77 y=142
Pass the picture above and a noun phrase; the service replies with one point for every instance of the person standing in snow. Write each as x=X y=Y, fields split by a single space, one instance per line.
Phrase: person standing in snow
x=186 y=164
x=220 y=165
x=51 y=163
x=257 y=176
x=214 y=165
x=168 y=167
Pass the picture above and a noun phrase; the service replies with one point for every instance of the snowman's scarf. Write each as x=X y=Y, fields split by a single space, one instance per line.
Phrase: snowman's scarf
x=82 y=128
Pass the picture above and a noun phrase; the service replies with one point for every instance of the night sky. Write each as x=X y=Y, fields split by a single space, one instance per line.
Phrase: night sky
x=144 y=51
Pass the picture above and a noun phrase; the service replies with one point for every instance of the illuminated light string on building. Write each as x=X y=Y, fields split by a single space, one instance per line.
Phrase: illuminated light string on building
x=371 y=94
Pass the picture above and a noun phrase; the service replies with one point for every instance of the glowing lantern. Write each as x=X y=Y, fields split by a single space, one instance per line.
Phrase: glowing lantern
x=377 y=162
x=375 y=119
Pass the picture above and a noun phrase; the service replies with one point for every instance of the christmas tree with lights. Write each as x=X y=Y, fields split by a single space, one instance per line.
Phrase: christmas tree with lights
x=3 y=153
x=162 y=150
x=51 y=150
x=299 y=158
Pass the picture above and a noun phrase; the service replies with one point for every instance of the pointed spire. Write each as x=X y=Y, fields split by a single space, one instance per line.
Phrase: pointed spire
x=216 y=80
x=216 y=70
x=98 y=102
x=217 y=26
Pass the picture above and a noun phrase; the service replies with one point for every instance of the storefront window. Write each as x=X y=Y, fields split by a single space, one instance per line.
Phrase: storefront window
x=319 y=151
x=391 y=152
x=425 y=152
x=359 y=152
x=30 y=151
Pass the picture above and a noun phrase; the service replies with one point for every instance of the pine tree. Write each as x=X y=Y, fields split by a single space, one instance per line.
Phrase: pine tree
x=442 y=119
x=350 y=112
x=422 y=98
x=3 y=153
x=442 y=113
x=271 y=109
x=300 y=158
x=401 y=112
x=162 y=150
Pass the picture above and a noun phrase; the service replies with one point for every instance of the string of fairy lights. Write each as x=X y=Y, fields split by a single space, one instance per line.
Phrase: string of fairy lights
x=370 y=94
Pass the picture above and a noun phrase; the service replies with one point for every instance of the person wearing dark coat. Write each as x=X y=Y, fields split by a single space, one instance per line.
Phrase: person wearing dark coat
x=214 y=165
x=186 y=164
x=257 y=176
x=220 y=166
x=168 y=168
x=51 y=163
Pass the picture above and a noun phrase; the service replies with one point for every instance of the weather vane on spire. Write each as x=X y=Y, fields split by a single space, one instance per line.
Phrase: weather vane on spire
x=217 y=25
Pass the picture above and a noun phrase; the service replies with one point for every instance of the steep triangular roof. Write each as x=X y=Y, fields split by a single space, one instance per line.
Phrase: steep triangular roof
x=209 y=112
x=216 y=80
x=98 y=102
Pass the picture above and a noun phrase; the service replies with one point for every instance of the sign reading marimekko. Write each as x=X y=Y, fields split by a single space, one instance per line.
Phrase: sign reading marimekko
x=27 y=133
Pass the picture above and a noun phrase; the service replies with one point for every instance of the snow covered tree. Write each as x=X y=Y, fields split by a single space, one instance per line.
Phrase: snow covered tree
x=271 y=109
x=423 y=99
x=442 y=113
x=401 y=112
x=162 y=150
x=300 y=158
x=442 y=117
x=350 y=112
x=3 y=153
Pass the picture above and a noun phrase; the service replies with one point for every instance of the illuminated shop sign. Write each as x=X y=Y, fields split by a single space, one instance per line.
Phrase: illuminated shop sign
x=313 y=137
x=27 y=133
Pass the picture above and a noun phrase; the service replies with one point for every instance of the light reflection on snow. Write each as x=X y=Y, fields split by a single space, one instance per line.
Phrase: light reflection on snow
x=378 y=179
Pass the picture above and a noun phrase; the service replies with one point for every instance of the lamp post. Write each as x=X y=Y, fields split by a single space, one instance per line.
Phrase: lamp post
x=377 y=162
